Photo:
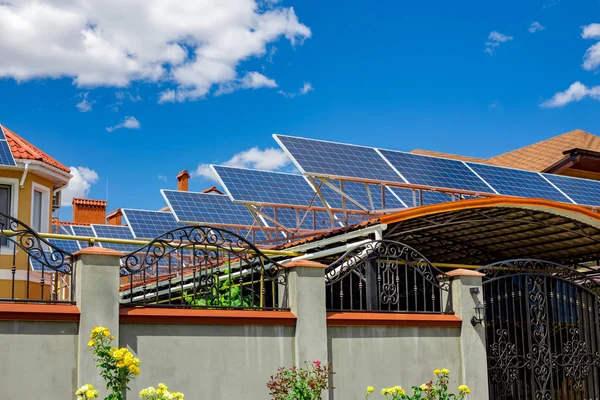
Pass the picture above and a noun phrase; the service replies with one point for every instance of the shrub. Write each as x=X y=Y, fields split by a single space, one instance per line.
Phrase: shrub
x=427 y=391
x=300 y=383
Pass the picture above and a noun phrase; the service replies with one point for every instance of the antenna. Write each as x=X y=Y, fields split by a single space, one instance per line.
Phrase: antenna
x=105 y=217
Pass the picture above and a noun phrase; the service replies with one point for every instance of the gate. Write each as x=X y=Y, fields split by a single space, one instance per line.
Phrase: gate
x=542 y=331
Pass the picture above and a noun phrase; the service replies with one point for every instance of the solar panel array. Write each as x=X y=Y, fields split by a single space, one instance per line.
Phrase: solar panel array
x=204 y=208
x=48 y=263
x=339 y=160
x=115 y=232
x=6 y=156
x=253 y=186
x=146 y=224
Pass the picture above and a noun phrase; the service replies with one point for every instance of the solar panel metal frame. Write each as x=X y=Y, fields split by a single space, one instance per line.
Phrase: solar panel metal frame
x=133 y=230
x=224 y=196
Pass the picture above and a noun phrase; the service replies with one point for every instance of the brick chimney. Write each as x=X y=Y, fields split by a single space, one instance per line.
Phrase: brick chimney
x=115 y=217
x=87 y=211
x=182 y=180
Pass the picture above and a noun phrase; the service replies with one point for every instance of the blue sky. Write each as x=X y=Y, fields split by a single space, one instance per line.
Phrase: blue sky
x=391 y=74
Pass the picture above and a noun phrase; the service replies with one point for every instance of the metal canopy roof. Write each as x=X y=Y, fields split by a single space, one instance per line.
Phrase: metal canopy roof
x=482 y=231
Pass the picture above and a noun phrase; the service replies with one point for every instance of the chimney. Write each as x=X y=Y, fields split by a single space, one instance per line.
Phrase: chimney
x=182 y=180
x=115 y=217
x=87 y=211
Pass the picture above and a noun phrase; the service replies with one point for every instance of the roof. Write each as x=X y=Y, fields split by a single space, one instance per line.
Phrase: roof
x=448 y=155
x=212 y=190
x=535 y=157
x=88 y=202
x=114 y=213
x=483 y=231
x=22 y=149
x=541 y=155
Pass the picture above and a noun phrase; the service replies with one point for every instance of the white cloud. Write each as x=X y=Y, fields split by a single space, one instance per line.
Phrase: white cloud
x=307 y=87
x=495 y=105
x=128 y=123
x=269 y=159
x=494 y=40
x=162 y=178
x=123 y=96
x=591 y=59
x=252 y=80
x=79 y=185
x=536 y=27
x=84 y=105
x=195 y=45
x=576 y=92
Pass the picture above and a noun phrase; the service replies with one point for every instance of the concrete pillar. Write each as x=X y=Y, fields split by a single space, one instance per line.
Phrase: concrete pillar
x=472 y=338
x=97 y=296
x=306 y=285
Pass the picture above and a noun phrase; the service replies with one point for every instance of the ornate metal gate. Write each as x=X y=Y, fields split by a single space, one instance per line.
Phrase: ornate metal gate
x=542 y=331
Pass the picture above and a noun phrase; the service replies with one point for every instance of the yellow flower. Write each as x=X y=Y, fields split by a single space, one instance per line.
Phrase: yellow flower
x=91 y=343
x=384 y=391
x=445 y=371
x=423 y=386
x=91 y=394
x=464 y=388
x=134 y=369
x=120 y=364
x=107 y=333
x=370 y=389
x=437 y=371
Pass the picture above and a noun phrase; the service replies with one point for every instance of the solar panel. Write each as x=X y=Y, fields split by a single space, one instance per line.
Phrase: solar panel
x=6 y=157
x=435 y=172
x=516 y=182
x=148 y=224
x=2 y=135
x=415 y=198
x=290 y=218
x=253 y=186
x=358 y=192
x=205 y=208
x=70 y=246
x=80 y=230
x=317 y=157
x=582 y=191
x=48 y=262
x=115 y=232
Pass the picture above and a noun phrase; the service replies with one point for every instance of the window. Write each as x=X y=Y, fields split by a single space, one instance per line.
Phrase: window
x=36 y=216
x=5 y=207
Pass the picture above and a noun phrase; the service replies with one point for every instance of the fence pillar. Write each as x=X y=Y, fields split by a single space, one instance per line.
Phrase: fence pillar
x=306 y=285
x=97 y=296
x=472 y=338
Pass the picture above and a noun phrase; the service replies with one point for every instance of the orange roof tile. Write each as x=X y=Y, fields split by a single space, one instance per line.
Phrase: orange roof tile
x=22 y=149
x=212 y=190
x=541 y=155
x=447 y=155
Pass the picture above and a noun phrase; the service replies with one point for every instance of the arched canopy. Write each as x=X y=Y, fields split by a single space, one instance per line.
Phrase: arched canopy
x=482 y=231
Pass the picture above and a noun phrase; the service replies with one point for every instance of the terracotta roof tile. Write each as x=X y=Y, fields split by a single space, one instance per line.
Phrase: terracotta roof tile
x=89 y=202
x=24 y=150
x=541 y=155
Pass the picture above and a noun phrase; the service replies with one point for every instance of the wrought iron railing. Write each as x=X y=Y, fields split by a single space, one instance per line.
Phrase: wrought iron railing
x=202 y=267
x=385 y=275
x=31 y=268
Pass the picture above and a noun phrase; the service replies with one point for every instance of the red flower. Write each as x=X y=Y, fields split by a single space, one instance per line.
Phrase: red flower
x=312 y=384
x=317 y=364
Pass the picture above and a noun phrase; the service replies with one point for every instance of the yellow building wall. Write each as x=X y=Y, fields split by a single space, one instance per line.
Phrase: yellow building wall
x=20 y=257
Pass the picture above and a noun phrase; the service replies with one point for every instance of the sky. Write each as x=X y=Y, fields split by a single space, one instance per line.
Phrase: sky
x=128 y=94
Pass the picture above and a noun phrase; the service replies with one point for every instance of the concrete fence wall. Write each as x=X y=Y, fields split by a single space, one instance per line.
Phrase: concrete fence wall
x=221 y=354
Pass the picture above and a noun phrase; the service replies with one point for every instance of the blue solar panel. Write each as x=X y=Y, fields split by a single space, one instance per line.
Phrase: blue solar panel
x=582 y=191
x=252 y=186
x=115 y=232
x=49 y=263
x=435 y=172
x=6 y=157
x=149 y=224
x=80 y=230
x=2 y=135
x=316 y=157
x=204 y=208
x=415 y=198
x=516 y=182
x=70 y=246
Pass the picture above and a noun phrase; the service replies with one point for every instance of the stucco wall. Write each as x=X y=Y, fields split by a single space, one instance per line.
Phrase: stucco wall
x=209 y=361
x=38 y=360
x=389 y=356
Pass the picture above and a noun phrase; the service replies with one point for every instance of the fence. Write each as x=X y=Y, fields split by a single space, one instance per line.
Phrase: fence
x=202 y=267
x=384 y=275
x=37 y=270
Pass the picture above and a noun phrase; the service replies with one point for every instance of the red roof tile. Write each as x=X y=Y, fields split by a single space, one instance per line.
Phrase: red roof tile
x=22 y=149
x=89 y=202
